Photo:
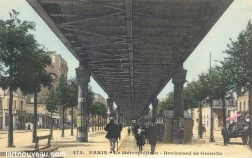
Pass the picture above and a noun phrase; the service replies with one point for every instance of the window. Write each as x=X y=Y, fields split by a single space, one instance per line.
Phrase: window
x=21 y=105
x=240 y=107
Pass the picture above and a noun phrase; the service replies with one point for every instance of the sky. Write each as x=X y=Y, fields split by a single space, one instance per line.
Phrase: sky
x=232 y=22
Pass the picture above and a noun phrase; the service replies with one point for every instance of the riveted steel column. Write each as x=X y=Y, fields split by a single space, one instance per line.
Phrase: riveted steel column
x=154 y=109
x=110 y=107
x=178 y=80
x=120 y=118
x=117 y=114
x=146 y=119
x=83 y=78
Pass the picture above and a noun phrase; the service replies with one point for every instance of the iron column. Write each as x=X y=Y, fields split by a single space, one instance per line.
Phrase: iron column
x=83 y=78
x=154 y=109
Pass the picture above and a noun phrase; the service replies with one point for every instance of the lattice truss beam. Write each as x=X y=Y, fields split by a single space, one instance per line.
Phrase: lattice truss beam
x=132 y=46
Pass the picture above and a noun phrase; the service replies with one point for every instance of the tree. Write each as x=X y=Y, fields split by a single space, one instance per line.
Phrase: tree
x=198 y=91
x=63 y=100
x=240 y=56
x=224 y=81
x=51 y=106
x=166 y=105
x=72 y=98
x=90 y=101
x=190 y=101
x=17 y=47
x=38 y=77
x=207 y=80
x=218 y=84
x=90 y=97
x=100 y=110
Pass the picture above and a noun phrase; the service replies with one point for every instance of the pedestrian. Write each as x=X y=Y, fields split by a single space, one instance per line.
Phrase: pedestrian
x=153 y=136
x=29 y=126
x=119 y=130
x=129 y=130
x=136 y=127
x=180 y=135
x=224 y=133
x=140 y=138
x=132 y=130
x=147 y=134
x=112 y=134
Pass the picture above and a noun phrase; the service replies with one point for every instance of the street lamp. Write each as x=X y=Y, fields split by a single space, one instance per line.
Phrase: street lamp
x=211 y=120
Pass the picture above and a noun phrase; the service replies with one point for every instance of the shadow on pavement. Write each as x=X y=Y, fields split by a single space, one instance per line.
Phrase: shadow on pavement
x=235 y=143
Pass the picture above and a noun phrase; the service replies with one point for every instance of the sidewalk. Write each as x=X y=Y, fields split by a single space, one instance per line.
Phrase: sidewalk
x=68 y=145
x=23 y=131
x=98 y=146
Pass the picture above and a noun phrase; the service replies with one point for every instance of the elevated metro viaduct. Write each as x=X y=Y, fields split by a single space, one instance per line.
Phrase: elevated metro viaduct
x=132 y=48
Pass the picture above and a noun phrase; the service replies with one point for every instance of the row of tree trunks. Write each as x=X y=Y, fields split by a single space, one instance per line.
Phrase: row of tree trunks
x=99 y=124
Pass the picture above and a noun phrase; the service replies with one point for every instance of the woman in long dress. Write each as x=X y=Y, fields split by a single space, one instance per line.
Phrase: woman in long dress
x=140 y=138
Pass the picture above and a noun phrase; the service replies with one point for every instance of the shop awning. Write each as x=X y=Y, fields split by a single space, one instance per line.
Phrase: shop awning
x=232 y=118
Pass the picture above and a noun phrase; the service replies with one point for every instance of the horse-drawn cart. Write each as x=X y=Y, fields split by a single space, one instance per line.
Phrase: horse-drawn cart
x=238 y=128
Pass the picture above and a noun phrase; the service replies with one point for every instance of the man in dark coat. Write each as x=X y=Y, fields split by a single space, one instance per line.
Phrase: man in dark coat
x=224 y=133
x=112 y=134
x=140 y=138
x=147 y=134
x=153 y=136
x=135 y=129
x=129 y=130
x=120 y=130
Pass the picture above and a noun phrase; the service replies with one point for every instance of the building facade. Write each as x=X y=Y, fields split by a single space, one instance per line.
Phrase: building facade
x=99 y=98
x=23 y=107
x=231 y=109
x=18 y=109
x=59 y=67
x=243 y=104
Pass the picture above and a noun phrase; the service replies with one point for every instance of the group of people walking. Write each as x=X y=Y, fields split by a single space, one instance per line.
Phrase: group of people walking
x=146 y=135
x=143 y=135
